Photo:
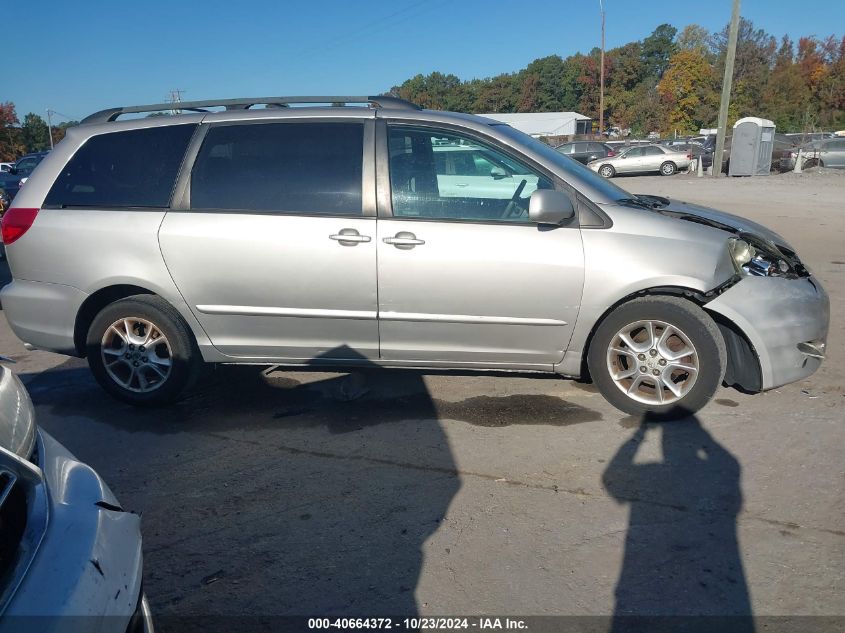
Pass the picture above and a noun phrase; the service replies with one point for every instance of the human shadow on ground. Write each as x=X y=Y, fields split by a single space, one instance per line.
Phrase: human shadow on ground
x=682 y=557
x=313 y=495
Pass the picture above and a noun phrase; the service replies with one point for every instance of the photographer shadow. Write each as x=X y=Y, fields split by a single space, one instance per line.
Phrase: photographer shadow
x=682 y=556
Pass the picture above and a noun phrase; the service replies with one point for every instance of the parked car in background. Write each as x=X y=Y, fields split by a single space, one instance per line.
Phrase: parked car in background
x=585 y=151
x=696 y=151
x=6 y=167
x=824 y=153
x=68 y=548
x=11 y=181
x=311 y=236
x=802 y=138
x=641 y=160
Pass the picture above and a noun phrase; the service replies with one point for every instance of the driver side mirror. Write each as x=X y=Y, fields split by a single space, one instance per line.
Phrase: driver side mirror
x=497 y=173
x=547 y=206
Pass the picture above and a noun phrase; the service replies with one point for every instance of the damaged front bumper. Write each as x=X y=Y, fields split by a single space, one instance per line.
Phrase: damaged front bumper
x=785 y=320
x=80 y=554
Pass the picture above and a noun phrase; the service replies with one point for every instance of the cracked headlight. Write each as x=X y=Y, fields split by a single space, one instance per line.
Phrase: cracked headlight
x=757 y=262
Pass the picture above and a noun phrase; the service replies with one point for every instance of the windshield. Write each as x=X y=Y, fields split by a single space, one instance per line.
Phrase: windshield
x=567 y=165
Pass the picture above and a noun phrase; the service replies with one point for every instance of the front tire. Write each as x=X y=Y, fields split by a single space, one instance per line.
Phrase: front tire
x=659 y=355
x=668 y=168
x=607 y=171
x=141 y=351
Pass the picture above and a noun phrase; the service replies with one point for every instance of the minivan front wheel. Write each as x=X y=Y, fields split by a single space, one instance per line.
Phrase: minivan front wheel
x=658 y=355
x=141 y=351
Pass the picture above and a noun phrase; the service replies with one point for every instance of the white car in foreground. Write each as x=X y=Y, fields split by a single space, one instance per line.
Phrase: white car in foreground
x=68 y=548
x=643 y=159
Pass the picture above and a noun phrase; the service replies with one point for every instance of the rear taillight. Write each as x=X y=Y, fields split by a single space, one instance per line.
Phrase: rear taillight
x=16 y=222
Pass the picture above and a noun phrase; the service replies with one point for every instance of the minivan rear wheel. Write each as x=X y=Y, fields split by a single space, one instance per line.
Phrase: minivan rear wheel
x=659 y=355
x=141 y=351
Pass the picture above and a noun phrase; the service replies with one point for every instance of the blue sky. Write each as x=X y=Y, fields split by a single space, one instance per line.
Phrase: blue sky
x=79 y=56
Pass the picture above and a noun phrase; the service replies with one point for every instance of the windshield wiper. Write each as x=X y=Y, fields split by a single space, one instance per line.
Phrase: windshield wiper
x=636 y=202
x=654 y=202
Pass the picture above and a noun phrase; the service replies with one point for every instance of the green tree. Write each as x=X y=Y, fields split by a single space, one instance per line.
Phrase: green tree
x=34 y=133
x=499 y=94
x=755 y=57
x=694 y=38
x=663 y=82
x=11 y=144
x=657 y=49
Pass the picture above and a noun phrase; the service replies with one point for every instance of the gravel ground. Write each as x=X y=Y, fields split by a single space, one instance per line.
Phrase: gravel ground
x=456 y=494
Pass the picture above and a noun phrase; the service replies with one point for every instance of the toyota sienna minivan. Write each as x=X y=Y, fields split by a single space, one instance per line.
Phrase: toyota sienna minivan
x=337 y=235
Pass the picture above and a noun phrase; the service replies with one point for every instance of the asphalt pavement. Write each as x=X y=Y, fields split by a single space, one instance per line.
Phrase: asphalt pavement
x=405 y=492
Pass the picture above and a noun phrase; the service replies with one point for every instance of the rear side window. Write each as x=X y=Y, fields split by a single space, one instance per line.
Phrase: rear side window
x=297 y=168
x=135 y=168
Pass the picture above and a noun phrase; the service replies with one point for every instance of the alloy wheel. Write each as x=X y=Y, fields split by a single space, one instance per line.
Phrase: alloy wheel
x=652 y=362
x=136 y=354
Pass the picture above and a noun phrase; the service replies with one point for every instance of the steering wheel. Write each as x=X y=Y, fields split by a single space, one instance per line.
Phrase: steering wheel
x=513 y=204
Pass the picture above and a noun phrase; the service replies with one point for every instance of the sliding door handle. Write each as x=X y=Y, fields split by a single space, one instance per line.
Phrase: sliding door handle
x=349 y=237
x=403 y=240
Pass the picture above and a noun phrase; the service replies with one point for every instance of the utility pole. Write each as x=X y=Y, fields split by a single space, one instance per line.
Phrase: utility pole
x=726 y=91
x=601 y=74
x=50 y=127
x=175 y=97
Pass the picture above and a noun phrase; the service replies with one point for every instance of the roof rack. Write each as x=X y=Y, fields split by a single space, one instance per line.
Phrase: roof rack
x=378 y=101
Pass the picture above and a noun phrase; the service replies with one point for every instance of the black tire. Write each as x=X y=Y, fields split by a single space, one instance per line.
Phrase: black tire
x=607 y=171
x=668 y=168
x=698 y=327
x=185 y=359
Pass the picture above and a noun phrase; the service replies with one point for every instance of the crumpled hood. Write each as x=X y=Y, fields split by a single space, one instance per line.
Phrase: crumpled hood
x=718 y=219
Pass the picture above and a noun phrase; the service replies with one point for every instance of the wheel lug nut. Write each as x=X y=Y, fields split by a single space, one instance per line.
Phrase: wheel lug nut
x=643 y=369
x=653 y=352
x=135 y=364
x=126 y=355
x=662 y=361
x=641 y=356
x=131 y=346
x=141 y=348
x=655 y=372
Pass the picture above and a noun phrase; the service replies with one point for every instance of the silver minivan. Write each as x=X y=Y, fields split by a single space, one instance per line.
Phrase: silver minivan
x=334 y=235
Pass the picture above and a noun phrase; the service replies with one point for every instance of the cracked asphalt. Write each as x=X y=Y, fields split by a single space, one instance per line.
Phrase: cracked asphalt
x=404 y=492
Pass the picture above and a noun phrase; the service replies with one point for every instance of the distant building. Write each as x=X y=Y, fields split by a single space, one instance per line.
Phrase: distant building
x=546 y=123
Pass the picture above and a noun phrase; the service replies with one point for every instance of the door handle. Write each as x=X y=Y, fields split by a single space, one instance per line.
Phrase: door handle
x=349 y=237
x=403 y=240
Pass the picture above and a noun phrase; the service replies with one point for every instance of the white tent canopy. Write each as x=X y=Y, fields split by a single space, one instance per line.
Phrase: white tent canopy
x=541 y=123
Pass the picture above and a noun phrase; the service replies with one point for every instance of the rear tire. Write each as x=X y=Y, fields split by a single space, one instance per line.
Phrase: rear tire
x=651 y=373
x=668 y=168
x=141 y=351
x=607 y=171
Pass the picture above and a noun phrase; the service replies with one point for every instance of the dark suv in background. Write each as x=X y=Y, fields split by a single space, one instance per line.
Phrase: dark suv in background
x=585 y=151
x=10 y=181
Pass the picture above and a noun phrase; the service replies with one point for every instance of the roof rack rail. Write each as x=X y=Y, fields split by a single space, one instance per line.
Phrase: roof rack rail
x=378 y=101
